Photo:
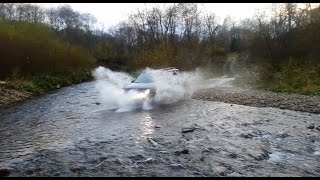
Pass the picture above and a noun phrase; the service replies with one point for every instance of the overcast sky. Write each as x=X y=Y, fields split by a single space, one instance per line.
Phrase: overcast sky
x=110 y=14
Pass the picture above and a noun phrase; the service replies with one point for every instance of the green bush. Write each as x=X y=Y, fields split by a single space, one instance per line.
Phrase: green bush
x=31 y=87
x=34 y=50
x=292 y=76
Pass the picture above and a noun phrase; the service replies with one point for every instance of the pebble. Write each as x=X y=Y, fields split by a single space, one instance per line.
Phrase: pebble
x=246 y=136
x=4 y=172
x=185 y=151
x=152 y=142
x=77 y=168
x=186 y=130
x=234 y=174
x=311 y=126
x=233 y=155
x=176 y=166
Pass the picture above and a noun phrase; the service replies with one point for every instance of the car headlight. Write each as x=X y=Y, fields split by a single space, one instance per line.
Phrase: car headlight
x=147 y=91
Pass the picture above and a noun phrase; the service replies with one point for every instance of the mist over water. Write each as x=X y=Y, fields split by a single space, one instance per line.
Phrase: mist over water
x=169 y=88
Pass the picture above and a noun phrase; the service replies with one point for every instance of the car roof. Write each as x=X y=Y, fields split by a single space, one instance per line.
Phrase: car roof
x=169 y=69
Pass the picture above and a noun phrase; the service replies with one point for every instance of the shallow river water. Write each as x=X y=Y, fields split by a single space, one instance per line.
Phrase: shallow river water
x=69 y=133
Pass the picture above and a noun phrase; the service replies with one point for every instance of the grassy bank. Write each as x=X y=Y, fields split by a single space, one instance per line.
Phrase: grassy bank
x=300 y=76
x=16 y=88
x=46 y=82
x=294 y=76
x=35 y=60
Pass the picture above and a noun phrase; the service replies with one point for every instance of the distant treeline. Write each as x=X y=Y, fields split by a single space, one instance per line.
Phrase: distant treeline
x=61 y=40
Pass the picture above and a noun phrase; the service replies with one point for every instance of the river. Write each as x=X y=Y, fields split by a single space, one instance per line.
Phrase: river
x=70 y=133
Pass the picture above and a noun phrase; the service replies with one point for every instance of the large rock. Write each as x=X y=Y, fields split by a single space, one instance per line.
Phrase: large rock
x=4 y=172
x=220 y=170
x=186 y=130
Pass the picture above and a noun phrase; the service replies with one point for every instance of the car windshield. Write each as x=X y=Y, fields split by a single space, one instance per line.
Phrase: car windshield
x=144 y=78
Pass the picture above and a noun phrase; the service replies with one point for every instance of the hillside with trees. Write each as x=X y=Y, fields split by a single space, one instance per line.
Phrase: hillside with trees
x=59 y=46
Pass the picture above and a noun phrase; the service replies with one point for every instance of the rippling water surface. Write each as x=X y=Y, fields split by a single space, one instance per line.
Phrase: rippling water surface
x=69 y=133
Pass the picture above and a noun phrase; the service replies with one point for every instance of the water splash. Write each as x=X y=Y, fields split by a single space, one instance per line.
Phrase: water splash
x=169 y=88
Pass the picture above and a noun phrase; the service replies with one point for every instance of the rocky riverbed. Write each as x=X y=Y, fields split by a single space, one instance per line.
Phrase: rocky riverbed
x=71 y=133
x=222 y=90
x=218 y=89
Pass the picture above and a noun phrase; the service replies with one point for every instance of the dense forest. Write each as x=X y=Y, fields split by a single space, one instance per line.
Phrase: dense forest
x=42 y=48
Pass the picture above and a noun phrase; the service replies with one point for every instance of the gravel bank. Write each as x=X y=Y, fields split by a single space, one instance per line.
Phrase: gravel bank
x=219 y=89
x=257 y=98
x=10 y=95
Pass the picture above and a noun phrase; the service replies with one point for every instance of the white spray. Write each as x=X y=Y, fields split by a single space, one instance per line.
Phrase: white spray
x=169 y=88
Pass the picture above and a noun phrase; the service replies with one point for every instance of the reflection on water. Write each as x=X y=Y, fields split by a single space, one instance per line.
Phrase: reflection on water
x=147 y=126
x=44 y=135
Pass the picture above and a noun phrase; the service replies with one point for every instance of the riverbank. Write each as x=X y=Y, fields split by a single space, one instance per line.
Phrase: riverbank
x=16 y=90
x=67 y=133
x=11 y=94
x=259 y=98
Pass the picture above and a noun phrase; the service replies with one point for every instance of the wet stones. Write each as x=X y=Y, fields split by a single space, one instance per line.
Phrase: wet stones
x=283 y=135
x=138 y=157
x=185 y=151
x=117 y=161
x=77 y=169
x=177 y=153
x=187 y=130
x=311 y=126
x=234 y=174
x=140 y=163
x=4 y=172
x=197 y=173
x=229 y=167
x=247 y=136
x=245 y=124
x=176 y=166
x=312 y=139
x=150 y=140
x=259 y=155
x=233 y=155
x=256 y=98
x=257 y=133
x=32 y=171
x=56 y=174
x=317 y=153
x=102 y=159
x=29 y=171
x=220 y=170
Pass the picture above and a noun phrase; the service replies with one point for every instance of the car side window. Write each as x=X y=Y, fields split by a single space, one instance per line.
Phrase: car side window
x=144 y=78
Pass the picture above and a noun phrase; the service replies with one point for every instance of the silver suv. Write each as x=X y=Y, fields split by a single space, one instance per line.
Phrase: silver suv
x=144 y=84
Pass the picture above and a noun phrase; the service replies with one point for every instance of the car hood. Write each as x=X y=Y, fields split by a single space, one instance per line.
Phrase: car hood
x=140 y=86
